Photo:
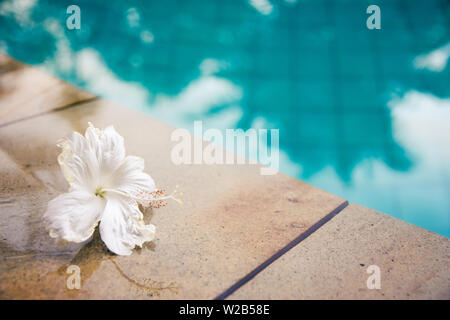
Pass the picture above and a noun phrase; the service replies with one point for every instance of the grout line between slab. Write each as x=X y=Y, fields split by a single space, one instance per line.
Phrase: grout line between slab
x=281 y=252
x=64 y=107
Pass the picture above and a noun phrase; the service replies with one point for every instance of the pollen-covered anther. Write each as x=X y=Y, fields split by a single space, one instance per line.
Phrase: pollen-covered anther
x=155 y=199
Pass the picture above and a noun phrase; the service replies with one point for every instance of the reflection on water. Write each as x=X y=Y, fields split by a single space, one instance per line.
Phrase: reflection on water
x=363 y=114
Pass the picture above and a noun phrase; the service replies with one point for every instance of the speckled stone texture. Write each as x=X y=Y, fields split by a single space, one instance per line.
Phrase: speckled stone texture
x=27 y=92
x=332 y=263
x=232 y=218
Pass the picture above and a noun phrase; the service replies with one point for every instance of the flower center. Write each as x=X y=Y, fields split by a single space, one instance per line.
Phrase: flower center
x=99 y=192
x=148 y=199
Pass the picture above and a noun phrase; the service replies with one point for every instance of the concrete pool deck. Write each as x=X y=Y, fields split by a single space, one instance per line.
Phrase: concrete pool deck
x=238 y=234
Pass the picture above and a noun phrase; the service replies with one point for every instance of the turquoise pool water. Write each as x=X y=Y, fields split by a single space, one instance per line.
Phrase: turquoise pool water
x=364 y=114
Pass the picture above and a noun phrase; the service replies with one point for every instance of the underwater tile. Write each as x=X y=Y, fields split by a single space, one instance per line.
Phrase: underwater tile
x=186 y=32
x=333 y=262
x=236 y=11
x=276 y=38
x=320 y=38
x=354 y=39
x=317 y=128
x=317 y=94
x=187 y=57
x=397 y=63
x=152 y=10
x=276 y=93
x=429 y=18
x=233 y=61
x=312 y=64
x=275 y=62
x=394 y=15
x=394 y=39
x=356 y=63
x=311 y=14
x=198 y=9
x=349 y=15
x=159 y=56
x=361 y=94
x=368 y=129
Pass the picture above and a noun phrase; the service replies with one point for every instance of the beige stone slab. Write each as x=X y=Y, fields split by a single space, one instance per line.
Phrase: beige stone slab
x=332 y=263
x=232 y=218
x=26 y=91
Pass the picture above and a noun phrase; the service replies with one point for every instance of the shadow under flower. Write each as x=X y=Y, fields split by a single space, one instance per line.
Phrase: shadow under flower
x=94 y=253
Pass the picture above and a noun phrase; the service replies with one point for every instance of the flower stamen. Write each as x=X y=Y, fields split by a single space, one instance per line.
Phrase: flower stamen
x=153 y=199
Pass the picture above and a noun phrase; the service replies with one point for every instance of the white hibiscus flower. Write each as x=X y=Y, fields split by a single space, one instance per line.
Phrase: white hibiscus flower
x=105 y=186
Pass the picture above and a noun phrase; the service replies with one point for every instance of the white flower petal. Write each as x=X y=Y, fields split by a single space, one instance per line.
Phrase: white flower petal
x=105 y=186
x=122 y=226
x=73 y=216
x=130 y=178
x=78 y=162
x=108 y=146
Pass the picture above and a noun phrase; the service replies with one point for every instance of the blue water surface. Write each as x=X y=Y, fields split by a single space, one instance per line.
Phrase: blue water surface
x=364 y=114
